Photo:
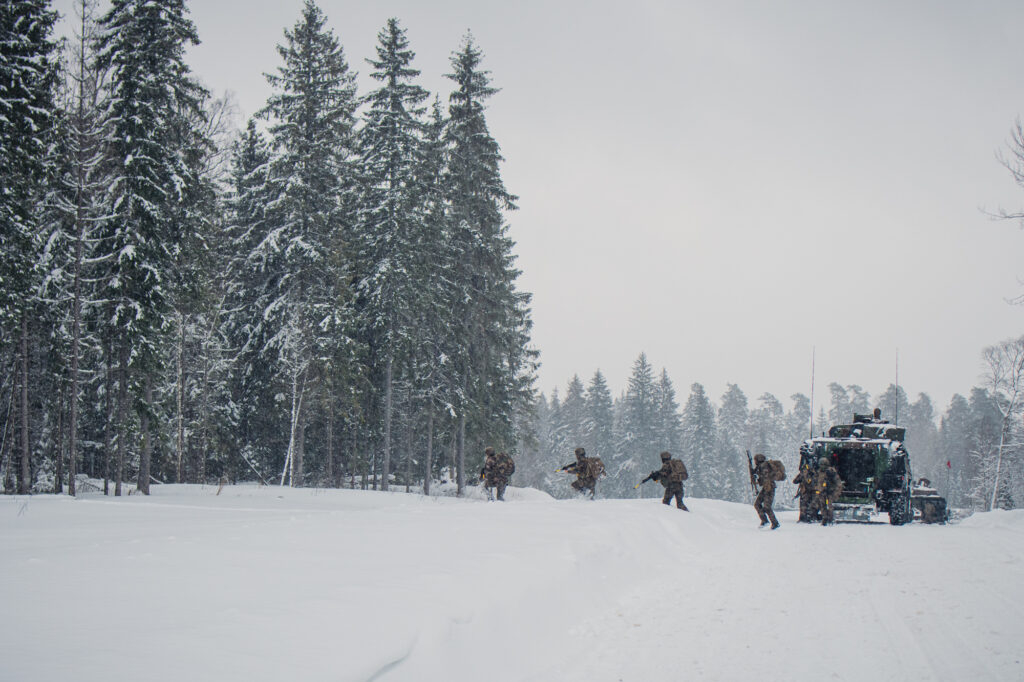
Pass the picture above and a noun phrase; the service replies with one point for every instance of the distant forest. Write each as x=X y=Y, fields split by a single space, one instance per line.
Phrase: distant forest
x=328 y=296
x=712 y=436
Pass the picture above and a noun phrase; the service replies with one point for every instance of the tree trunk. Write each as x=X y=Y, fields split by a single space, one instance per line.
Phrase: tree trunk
x=460 y=457
x=430 y=453
x=147 y=439
x=180 y=474
x=24 y=473
x=330 y=442
x=58 y=456
x=300 y=450
x=386 y=464
x=999 y=465
x=122 y=425
x=407 y=441
x=108 y=441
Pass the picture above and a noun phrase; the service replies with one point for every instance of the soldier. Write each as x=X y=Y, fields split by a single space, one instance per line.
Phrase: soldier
x=671 y=475
x=805 y=491
x=827 y=486
x=762 y=474
x=498 y=468
x=587 y=470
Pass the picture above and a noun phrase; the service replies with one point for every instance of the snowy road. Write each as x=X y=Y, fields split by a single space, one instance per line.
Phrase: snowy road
x=272 y=584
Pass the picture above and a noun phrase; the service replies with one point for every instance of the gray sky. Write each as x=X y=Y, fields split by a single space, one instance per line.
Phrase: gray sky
x=726 y=185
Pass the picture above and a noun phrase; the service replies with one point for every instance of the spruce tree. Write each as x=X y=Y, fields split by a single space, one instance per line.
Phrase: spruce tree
x=28 y=76
x=639 y=444
x=954 y=440
x=735 y=437
x=304 y=262
x=494 y=363
x=396 y=273
x=708 y=474
x=153 y=106
x=82 y=178
x=600 y=418
x=668 y=424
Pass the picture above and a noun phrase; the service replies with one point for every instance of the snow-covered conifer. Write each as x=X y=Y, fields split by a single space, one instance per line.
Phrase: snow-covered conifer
x=494 y=363
x=301 y=257
x=707 y=473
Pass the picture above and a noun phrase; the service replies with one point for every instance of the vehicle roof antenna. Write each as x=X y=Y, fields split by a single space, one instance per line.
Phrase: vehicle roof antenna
x=812 y=392
x=896 y=398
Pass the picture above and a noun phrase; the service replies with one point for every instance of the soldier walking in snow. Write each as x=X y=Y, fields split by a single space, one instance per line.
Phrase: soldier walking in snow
x=587 y=470
x=765 y=479
x=827 y=487
x=497 y=470
x=805 y=491
x=671 y=475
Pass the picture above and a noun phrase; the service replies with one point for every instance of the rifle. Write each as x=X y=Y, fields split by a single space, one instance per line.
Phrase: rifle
x=567 y=467
x=750 y=468
x=653 y=476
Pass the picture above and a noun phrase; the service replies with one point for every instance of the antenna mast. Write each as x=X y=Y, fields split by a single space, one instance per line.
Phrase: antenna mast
x=896 y=398
x=812 y=392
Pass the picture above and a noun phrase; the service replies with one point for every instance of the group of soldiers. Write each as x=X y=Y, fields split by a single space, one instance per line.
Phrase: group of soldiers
x=818 y=485
x=499 y=467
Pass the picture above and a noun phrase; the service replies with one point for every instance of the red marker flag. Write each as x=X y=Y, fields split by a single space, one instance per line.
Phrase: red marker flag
x=948 y=465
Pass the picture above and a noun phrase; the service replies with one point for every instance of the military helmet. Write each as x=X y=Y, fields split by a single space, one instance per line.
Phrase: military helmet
x=823 y=461
x=489 y=452
x=666 y=455
x=759 y=458
x=580 y=452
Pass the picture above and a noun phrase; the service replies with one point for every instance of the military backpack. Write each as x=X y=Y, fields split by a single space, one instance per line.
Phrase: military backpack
x=505 y=465
x=678 y=474
x=778 y=470
x=595 y=467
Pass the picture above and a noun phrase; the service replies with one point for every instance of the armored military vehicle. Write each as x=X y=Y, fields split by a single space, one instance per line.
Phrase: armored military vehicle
x=928 y=505
x=874 y=465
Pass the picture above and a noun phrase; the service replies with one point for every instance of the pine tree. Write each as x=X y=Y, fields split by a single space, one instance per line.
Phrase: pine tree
x=668 y=424
x=860 y=400
x=840 y=411
x=396 y=269
x=574 y=413
x=495 y=364
x=734 y=439
x=639 y=442
x=894 y=404
x=82 y=179
x=600 y=418
x=303 y=263
x=708 y=475
x=154 y=104
x=28 y=76
x=954 y=439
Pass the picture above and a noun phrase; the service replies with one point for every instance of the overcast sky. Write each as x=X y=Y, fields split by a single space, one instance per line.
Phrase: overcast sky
x=727 y=185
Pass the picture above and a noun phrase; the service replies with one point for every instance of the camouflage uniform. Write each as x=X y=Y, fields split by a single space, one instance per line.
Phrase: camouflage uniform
x=498 y=468
x=805 y=491
x=586 y=472
x=673 y=482
x=766 y=497
x=827 y=486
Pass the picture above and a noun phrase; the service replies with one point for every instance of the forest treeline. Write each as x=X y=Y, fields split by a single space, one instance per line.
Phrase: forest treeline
x=978 y=435
x=328 y=295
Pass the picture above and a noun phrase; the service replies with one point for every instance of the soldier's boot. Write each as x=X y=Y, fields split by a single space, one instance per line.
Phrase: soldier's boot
x=764 y=519
x=775 y=521
x=682 y=506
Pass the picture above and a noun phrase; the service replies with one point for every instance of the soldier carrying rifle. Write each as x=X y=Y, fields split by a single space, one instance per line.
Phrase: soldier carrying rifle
x=671 y=475
x=587 y=470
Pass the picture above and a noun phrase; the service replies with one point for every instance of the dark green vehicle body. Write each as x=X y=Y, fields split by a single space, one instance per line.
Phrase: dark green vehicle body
x=874 y=465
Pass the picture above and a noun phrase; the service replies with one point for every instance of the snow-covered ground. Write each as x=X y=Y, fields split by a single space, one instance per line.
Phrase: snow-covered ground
x=282 y=584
